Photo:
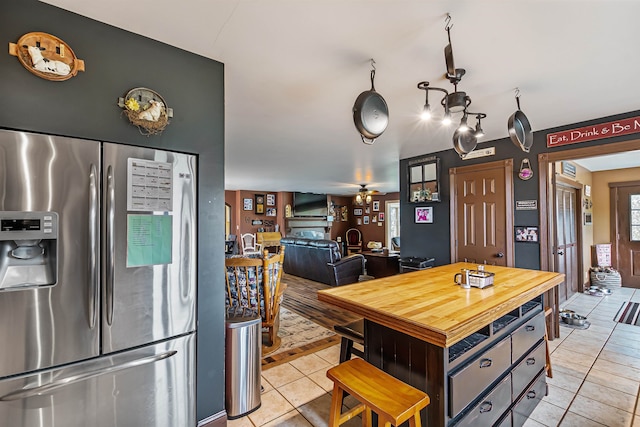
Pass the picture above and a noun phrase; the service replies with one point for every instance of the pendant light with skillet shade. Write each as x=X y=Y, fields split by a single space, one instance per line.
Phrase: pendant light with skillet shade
x=465 y=138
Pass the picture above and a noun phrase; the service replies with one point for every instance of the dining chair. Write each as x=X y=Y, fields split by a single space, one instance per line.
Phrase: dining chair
x=254 y=286
x=230 y=245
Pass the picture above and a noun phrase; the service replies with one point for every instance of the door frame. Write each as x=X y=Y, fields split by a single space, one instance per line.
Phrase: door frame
x=560 y=180
x=507 y=165
x=546 y=162
x=545 y=174
x=387 y=206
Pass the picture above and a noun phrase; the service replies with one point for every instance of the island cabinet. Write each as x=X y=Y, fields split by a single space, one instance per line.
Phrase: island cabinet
x=479 y=353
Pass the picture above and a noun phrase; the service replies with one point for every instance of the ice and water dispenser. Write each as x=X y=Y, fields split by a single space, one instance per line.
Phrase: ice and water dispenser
x=28 y=250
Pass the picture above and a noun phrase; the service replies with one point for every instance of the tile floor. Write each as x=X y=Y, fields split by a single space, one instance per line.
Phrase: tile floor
x=596 y=376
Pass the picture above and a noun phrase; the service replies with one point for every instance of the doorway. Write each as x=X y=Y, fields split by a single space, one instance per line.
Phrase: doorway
x=568 y=247
x=392 y=221
x=482 y=213
x=548 y=243
x=227 y=220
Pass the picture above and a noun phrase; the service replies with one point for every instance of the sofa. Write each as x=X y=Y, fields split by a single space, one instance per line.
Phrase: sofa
x=321 y=261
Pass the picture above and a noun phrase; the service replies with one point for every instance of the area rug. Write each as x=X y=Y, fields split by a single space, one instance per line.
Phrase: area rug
x=299 y=336
x=628 y=313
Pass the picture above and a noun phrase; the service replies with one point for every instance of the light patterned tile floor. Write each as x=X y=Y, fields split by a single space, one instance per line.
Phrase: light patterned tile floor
x=596 y=377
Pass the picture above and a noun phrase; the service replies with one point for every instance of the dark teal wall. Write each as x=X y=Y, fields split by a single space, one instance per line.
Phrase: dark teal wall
x=433 y=240
x=86 y=107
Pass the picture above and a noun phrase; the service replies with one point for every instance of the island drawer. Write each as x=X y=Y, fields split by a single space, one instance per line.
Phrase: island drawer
x=529 y=400
x=488 y=410
x=526 y=336
x=528 y=368
x=472 y=379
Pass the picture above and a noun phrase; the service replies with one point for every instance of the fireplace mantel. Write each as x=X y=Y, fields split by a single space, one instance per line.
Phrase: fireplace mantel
x=303 y=226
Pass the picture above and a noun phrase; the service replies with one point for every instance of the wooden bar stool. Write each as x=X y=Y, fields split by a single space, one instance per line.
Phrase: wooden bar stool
x=391 y=399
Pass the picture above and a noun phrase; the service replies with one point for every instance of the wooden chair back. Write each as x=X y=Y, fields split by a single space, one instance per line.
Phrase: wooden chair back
x=254 y=286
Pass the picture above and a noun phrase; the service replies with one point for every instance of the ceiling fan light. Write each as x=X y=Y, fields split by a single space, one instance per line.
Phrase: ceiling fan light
x=368 y=199
x=359 y=198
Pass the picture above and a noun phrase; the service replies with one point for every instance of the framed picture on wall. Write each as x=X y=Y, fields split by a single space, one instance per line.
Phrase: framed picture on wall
x=259 y=203
x=271 y=211
x=271 y=199
x=357 y=211
x=365 y=219
x=424 y=215
x=526 y=234
x=376 y=205
x=248 y=204
x=381 y=216
x=359 y=221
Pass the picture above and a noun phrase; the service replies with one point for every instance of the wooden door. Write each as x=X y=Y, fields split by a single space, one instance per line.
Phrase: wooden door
x=482 y=213
x=567 y=249
x=626 y=217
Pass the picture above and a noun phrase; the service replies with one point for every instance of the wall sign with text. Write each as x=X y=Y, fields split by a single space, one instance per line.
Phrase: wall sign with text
x=595 y=132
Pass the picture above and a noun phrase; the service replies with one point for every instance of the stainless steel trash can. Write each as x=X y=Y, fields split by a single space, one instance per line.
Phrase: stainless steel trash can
x=243 y=337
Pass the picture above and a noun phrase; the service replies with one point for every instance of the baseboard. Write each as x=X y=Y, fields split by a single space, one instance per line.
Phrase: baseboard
x=215 y=420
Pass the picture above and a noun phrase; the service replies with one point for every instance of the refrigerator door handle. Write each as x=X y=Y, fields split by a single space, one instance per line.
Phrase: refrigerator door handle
x=43 y=389
x=93 y=243
x=110 y=243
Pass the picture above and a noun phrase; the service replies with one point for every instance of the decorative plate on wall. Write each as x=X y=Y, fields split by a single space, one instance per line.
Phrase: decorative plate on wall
x=46 y=56
x=146 y=109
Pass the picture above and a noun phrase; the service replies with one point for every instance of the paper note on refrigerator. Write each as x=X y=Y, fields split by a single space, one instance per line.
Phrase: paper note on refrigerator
x=149 y=240
x=149 y=185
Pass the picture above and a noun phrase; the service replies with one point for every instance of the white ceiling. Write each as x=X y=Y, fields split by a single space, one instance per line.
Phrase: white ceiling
x=630 y=159
x=293 y=69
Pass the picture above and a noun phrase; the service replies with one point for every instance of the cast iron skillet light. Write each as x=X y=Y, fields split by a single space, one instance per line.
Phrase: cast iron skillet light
x=465 y=137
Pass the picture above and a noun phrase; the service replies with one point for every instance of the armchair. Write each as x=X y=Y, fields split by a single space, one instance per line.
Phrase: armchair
x=395 y=243
x=249 y=244
x=253 y=286
x=346 y=270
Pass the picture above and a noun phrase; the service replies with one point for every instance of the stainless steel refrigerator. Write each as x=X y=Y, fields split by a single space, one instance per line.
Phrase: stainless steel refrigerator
x=97 y=284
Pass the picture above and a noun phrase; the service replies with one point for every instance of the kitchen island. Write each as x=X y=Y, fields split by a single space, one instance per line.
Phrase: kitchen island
x=478 y=353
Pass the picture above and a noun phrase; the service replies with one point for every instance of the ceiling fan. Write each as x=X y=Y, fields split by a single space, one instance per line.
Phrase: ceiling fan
x=364 y=194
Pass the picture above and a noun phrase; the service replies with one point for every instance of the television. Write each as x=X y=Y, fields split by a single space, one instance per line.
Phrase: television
x=310 y=204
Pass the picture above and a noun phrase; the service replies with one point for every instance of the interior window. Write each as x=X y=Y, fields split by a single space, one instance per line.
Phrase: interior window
x=634 y=216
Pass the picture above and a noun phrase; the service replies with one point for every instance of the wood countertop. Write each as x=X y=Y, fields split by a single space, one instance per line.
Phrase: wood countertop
x=428 y=305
